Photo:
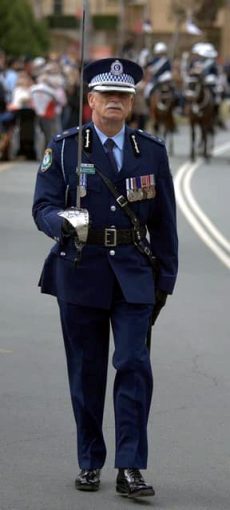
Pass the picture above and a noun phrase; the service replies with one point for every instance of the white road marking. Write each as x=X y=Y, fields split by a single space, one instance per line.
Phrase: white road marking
x=5 y=351
x=199 y=221
x=5 y=166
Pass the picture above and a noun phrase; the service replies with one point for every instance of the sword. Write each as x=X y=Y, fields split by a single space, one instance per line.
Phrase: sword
x=77 y=217
x=81 y=84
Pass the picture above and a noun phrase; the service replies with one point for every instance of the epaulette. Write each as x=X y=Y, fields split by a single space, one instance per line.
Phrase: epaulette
x=151 y=137
x=68 y=132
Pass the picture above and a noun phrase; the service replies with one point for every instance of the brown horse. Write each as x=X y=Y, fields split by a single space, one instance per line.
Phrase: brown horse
x=200 y=108
x=162 y=102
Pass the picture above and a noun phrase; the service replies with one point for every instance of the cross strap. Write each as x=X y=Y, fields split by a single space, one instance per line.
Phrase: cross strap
x=139 y=239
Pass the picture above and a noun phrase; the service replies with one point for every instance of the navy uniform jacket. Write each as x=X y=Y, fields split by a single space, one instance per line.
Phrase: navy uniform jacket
x=91 y=282
x=207 y=67
x=159 y=65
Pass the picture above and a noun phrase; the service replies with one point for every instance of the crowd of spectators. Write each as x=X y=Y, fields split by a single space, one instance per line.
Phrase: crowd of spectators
x=40 y=97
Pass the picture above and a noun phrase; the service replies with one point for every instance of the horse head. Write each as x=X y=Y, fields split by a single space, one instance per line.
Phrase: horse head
x=163 y=95
x=162 y=102
x=198 y=96
x=200 y=110
x=193 y=88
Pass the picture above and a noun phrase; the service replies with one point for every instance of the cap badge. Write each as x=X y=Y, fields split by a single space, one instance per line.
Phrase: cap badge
x=117 y=68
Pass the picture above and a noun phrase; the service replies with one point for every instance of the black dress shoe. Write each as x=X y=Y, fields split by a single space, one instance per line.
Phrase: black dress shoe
x=88 y=480
x=131 y=483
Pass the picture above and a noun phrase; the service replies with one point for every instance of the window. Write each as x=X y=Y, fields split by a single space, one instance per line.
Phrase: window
x=58 y=7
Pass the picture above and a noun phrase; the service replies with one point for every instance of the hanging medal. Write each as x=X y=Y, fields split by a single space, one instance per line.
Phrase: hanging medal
x=139 y=191
x=83 y=184
x=145 y=185
x=141 y=187
x=148 y=186
x=151 y=189
x=129 y=190
x=135 y=189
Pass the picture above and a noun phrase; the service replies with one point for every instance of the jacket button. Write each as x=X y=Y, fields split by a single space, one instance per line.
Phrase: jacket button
x=63 y=253
x=113 y=208
x=112 y=253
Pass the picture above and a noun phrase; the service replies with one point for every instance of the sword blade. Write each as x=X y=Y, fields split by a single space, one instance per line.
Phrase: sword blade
x=81 y=84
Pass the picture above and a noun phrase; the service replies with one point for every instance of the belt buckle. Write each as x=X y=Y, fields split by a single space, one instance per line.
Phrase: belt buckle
x=121 y=200
x=110 y=237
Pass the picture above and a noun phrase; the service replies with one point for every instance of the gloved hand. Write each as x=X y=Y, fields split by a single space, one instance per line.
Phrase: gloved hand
x=68 y=230
x=161 y=297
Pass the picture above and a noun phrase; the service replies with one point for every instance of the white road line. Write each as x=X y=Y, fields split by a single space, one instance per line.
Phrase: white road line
x=198 y=211
x=5 y=166
x=5 y=351
x=202 y=225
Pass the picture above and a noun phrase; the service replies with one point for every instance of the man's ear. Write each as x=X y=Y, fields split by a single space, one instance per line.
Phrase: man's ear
x=90 y=98
x=132 y=102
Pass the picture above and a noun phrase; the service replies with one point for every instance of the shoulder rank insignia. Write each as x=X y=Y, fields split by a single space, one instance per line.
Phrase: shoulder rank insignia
x=66 y=133
x=151 y=137
x=47 y=160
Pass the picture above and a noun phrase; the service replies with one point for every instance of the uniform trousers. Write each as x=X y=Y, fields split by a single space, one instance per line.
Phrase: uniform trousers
x=86 y=332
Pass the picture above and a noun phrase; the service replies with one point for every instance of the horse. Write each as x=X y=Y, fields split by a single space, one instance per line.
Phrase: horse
x=162 y=101
x=200 y=109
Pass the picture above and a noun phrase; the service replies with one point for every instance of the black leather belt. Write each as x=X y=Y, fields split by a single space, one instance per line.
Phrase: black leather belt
x=111 y=236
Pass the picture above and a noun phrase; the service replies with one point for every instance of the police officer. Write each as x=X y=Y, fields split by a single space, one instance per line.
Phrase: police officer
x=159 y=68
x=203 y=59
x=113 y=280
x=204 y=62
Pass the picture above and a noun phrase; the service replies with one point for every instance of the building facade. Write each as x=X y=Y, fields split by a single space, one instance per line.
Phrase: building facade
x=111 y=23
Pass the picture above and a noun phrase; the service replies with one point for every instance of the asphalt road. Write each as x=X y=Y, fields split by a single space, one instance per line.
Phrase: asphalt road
x=189 y=445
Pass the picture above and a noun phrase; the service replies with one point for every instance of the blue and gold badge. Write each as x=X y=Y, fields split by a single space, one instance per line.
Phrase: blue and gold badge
x=47 y=160
x=85 y=170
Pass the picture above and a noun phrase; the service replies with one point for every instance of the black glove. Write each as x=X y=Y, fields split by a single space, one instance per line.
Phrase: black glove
x=161 y=297
x=67 y=229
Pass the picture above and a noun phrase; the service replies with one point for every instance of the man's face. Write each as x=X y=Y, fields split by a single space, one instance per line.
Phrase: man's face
x=110 y=106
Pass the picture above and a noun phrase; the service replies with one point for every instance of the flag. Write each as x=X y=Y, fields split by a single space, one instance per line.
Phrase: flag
x=193 y=29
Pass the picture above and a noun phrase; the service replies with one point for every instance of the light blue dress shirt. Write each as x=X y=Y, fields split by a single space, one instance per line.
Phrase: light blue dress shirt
x=118 y=140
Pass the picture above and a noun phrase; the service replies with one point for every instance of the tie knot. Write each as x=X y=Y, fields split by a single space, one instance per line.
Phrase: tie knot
x=109 y=144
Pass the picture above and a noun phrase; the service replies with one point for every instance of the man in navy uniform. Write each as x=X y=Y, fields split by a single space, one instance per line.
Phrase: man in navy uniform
x=113 y=281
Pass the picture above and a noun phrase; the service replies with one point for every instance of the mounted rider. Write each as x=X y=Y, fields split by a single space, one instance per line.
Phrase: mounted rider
x=159 y=69
x=204 y=62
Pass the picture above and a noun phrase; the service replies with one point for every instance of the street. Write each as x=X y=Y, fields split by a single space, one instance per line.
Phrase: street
x=189 y=446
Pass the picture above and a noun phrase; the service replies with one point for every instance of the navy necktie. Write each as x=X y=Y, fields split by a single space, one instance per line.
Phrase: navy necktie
x=109 y=145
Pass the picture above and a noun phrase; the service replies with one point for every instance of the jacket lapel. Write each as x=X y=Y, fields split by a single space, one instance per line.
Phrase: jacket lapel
x=99 y=158
x=130 y=166
x=97 y=154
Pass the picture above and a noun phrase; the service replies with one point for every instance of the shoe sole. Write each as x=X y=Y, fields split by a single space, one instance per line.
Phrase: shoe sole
x=137 y=494
x=87 y=488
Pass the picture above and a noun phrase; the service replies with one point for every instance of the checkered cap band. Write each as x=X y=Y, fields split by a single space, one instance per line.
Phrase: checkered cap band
x=111 y=79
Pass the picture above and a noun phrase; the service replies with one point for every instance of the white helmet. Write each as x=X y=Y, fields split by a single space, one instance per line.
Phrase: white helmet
x=197 y=48
x=160 y=47
x=208 y=51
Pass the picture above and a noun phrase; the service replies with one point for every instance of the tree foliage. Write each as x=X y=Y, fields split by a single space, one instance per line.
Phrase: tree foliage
x=201 y=11
x=20 y=32
x=208 y=10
